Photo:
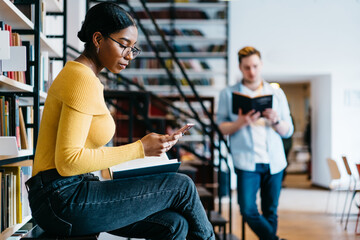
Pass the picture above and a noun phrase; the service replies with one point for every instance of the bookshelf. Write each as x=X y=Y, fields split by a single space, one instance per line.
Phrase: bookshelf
x=14 y=17
x=197 y=31
x=30 y=93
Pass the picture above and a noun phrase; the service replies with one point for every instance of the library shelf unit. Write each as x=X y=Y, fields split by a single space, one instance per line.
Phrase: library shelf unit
x=30 y=96
x=14 y=17
x=197 y=31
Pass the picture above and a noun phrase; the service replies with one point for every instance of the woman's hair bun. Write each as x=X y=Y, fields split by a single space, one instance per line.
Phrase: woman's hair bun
x=106 y=18
x=81 y=35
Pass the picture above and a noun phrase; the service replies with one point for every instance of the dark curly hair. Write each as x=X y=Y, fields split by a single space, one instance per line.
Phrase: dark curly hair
x=105 y=18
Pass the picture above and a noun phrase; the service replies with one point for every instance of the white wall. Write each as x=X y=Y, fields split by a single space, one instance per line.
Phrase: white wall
x=76 y=11
x=319 y=41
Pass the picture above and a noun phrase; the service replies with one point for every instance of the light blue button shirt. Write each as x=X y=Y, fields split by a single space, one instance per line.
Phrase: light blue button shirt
x=241 y=142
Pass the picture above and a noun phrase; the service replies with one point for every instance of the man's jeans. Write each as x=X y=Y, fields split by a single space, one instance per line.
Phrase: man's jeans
x=163 y=206
x=248 y=184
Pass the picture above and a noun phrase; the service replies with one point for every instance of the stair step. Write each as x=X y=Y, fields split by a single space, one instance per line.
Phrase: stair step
x=228 y=237
x=188 y=170
x=216 y=219
x=203 y=192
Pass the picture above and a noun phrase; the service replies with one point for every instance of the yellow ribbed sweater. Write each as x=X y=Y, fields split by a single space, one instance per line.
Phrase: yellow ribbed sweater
x=76 y=125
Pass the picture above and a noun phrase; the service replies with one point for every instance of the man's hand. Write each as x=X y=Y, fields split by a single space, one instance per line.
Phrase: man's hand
x=271 y=115
x=228 y=128
x=246 y=119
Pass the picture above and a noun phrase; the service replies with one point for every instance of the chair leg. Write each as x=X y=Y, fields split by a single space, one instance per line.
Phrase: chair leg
x=337 y=203
x=328 y=201
x=343 y=213
x=242 y=228
x=348 y=215
x=357 y=222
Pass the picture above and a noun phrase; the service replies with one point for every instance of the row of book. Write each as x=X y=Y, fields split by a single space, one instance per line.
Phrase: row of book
x=29 y=11
x=191 y=64
x=165 y=81
x=176 y=32
x=178 y=14
x=14 y=207
x=12 y=121
x=186 y=48
x=182 y=1
x=14 y=40
x=27 y=77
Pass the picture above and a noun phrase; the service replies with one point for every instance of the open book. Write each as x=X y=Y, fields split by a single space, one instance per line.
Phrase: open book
x=246 y=103
x=144 y=166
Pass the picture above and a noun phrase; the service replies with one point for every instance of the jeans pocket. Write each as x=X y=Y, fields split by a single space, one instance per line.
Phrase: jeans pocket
x=47 y=219
x=65 y=188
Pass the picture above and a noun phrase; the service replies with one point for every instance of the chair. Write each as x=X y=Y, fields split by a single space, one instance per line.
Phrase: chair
x=36 y=233
x=358 y=216
x=335 y=175
x=354 y=190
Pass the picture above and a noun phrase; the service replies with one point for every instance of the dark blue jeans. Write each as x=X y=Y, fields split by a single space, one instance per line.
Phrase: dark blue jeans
x=248 y=184
x=163 y=206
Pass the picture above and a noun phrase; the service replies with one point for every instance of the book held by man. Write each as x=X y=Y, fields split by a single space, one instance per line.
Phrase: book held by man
x=144 y=166
x=247 y=103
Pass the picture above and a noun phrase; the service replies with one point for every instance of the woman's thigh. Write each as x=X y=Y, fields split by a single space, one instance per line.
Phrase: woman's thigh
x=108 y=205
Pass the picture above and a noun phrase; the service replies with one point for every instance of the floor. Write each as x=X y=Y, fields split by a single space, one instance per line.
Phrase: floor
x=304 y=214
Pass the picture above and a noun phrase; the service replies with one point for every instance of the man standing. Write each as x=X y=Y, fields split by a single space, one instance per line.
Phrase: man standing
x=256 y=145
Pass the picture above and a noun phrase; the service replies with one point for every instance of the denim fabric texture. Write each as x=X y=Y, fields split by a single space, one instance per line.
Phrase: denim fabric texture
x=264 y=225
x=162 y=206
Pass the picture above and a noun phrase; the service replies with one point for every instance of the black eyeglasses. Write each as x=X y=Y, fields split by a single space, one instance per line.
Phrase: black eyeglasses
x=127 y=50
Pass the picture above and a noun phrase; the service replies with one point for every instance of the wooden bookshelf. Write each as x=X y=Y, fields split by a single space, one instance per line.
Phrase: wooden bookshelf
x=14 y=17
x=160 y=72
x=28 y=95
x=21 y=154
x=10 y=85
x=196 y=5
x=9 y=231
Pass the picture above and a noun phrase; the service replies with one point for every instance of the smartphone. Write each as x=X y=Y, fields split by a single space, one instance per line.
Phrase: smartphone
x=184 y=129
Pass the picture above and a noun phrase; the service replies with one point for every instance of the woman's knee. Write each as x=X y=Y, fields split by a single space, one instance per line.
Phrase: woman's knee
x=185 y=182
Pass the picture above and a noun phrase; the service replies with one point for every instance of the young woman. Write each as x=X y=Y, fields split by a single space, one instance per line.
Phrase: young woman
x=65 y=198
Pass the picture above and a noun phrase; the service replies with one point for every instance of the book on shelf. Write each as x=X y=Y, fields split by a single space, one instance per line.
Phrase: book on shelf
x=14 y=65
x=23 y=132
x=14 y=203
x=29 y=11
x=2 y=199
x=247 y=103
x=6 y=123
x=12 y=123
x=2 y=115
x=29 y=73
x=8 y=146
x=5 y=44
x=16 y=121
x=144 y=166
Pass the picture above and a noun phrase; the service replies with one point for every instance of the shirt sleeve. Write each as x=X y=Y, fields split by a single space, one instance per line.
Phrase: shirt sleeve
x=285 y=112
x=71 y=155
x=223 y=112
